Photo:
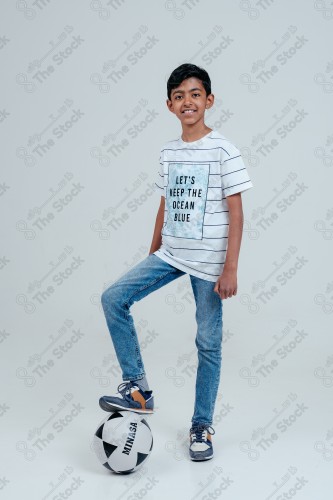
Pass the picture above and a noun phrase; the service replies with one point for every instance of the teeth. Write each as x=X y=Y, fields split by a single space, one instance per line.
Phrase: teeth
x=189 y=111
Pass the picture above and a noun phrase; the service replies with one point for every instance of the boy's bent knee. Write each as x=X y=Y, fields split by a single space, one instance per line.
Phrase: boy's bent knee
x=110 y=295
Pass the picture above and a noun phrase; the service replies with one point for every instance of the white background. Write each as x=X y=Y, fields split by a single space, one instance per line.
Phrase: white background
x=83 y=194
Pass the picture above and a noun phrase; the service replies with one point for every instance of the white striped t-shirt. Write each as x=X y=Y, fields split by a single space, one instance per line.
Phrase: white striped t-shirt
x=195 y=178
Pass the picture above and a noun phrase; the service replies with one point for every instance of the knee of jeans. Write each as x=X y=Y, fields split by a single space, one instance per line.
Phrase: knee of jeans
x=109 y=296
x=207 y=345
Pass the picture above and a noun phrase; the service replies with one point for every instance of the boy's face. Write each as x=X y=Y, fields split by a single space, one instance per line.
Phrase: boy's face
x=189 y=101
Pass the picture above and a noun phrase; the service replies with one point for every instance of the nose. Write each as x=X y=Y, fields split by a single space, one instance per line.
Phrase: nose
x=187 y=100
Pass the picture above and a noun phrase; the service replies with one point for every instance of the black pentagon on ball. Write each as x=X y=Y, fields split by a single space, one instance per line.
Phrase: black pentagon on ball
x=99 y=431
x=108 y=466
x=118 y=472
x=125 y=471
x=115 y=414
x=145 y=422
x=141 y=458
x=109 y=448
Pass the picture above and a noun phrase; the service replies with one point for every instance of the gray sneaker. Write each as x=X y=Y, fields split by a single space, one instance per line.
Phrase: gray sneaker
x=130 y=397
x=201 y=447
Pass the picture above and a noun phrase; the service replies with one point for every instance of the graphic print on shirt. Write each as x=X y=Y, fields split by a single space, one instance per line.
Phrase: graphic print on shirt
x=186 y=196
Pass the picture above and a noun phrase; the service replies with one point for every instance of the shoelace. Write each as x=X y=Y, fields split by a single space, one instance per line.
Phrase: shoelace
x=125 y=387
x=199 y=431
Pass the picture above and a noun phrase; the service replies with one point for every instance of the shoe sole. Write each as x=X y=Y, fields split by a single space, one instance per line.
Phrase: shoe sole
x=114 y=407
x=201 y=459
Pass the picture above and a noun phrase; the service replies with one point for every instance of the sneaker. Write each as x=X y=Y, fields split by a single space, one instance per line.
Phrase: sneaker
x=130 y=397
x=201 y=447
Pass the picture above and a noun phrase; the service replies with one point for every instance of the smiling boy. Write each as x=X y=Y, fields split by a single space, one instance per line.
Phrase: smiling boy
x=198 y=231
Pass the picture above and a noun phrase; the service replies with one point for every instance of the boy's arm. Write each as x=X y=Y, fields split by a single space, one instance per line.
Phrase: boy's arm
x=226 y=285
x=157 y=237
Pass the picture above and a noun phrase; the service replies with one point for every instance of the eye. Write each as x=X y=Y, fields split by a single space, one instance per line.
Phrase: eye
x=197 y=94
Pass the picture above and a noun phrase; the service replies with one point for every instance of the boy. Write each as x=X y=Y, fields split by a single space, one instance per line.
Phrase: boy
x=198 y=231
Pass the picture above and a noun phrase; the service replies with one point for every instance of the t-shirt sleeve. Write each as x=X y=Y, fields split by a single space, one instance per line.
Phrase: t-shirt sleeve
x=235 y=177
x=159 y=182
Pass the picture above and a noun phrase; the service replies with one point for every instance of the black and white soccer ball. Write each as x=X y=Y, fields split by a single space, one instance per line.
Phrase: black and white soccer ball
x=123 y=441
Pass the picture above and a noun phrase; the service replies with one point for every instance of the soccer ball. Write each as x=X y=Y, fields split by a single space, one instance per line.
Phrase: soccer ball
x=123 y=441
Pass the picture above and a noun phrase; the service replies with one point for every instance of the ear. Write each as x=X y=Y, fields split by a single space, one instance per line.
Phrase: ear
x=209 y=101
x=169 y=105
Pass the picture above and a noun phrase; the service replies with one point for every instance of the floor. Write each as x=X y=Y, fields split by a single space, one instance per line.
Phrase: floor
x=273 y=430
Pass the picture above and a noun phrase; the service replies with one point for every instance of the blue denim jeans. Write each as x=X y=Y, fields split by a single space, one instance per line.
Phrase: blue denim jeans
x=147 y=276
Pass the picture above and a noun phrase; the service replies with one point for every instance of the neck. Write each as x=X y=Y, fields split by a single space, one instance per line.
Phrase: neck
x=191 y=135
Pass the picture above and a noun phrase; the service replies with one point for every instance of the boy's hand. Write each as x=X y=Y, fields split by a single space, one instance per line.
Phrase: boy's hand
x=226 y=285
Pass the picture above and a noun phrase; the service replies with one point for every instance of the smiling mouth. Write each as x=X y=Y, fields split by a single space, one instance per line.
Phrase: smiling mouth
x=188 y=111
